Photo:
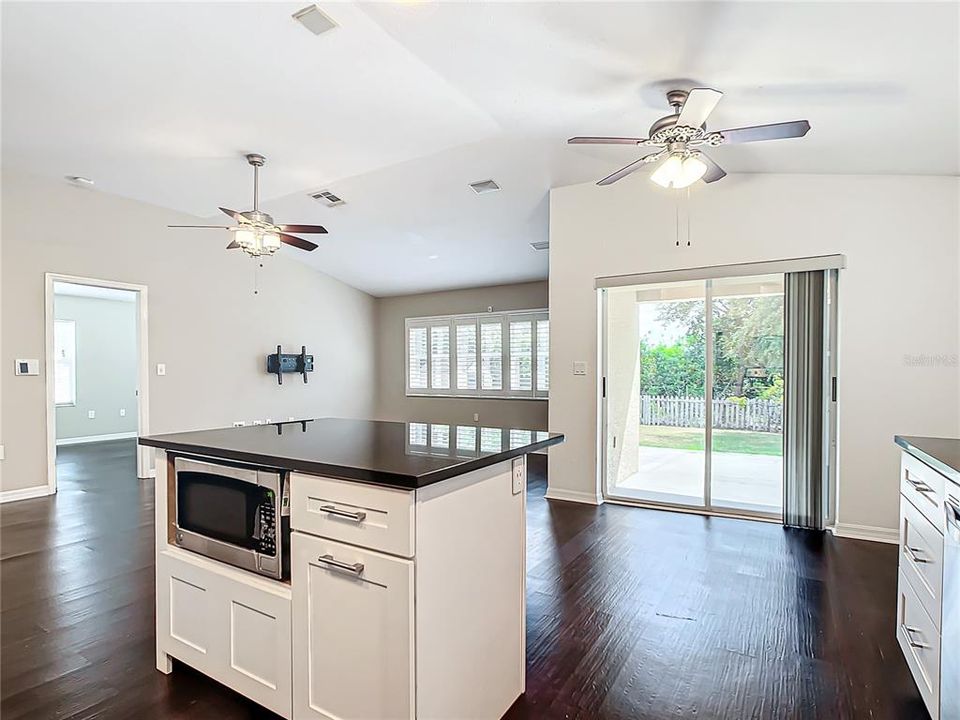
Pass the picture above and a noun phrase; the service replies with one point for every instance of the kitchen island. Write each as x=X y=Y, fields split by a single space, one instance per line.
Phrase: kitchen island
x=332 y=568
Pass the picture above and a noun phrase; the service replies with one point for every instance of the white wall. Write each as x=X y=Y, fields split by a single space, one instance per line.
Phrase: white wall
x=205 y=323
x=106 y=362
x=392 y=402
x=898 y=301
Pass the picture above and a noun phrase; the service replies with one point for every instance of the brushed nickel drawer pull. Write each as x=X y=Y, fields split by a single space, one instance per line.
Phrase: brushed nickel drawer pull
x=911 y=631
x=914 y=554
x=918 y=485
x=355 y=569
x=358 y=516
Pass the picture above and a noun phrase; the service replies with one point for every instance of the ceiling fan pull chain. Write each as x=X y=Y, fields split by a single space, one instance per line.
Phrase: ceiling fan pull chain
x=256 y=277
x=676 y=218
x=689 y=215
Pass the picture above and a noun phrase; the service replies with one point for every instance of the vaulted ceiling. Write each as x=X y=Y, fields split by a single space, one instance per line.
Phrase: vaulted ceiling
x=404 y=104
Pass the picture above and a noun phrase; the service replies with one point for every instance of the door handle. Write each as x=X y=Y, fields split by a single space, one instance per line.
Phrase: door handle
x=355 y=569
x=911 y=631
x=358 y=516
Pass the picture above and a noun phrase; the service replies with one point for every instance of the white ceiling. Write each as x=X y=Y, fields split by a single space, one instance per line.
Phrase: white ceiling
x=404 y=104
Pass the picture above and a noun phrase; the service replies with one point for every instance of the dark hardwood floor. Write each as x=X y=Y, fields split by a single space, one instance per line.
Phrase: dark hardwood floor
x=631 y=613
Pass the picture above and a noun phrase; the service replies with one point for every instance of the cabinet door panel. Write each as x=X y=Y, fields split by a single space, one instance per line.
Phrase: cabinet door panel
x=353 y=632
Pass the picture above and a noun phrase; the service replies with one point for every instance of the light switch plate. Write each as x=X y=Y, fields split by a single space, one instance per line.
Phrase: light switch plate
x=91 y=414
x=517 y=476
x=161 y=369
x=27 y=367
x=123 y=412
x=579 y=367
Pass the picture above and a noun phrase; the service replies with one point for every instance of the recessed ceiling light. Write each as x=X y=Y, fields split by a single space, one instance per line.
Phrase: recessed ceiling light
x=540 y=245
x=314 y=19
x=432 y=257
x=80 y=180
x=484 y=186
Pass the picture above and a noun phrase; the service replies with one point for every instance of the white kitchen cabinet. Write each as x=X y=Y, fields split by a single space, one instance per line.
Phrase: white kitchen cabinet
x=227 y=623
x=353 y=648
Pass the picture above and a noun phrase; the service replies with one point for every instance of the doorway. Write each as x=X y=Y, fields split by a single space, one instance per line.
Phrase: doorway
x=96 y=367
x=694 y=394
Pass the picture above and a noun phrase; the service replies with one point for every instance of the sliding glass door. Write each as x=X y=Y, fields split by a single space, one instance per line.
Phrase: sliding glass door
x=667 y=349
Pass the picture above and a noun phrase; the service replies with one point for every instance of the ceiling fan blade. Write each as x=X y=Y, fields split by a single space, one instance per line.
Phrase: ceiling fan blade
x=303 y=228
x=234 y=214
x=297 y=242
x=632 y=167
x=775 y=131
x=714 y=172
x=605 y=141
x=699 y=104
x=233 y=245
x=206 y=227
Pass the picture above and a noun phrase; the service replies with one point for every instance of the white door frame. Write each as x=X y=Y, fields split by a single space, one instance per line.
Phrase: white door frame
x=144 y=456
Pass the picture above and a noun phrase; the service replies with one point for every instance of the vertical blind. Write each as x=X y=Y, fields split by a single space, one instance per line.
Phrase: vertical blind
x=489 y=355
x=804 y=407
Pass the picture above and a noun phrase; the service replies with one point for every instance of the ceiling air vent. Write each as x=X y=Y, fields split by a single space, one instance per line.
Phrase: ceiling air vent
x=484 y=186
x=314 y=19
x=540 y=245
x=327 y=198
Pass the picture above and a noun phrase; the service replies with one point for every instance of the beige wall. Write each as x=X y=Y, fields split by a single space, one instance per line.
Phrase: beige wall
x=392 y=403
x=898 y=296
x=205 y=323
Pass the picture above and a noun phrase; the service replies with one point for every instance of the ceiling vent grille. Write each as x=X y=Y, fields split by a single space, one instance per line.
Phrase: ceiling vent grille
x=484 y=186
x=540 y=245
x=327 y=198
x=314 y=20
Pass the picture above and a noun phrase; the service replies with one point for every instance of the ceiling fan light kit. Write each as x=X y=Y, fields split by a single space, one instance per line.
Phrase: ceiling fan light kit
x=680 y=136
x=256 y=232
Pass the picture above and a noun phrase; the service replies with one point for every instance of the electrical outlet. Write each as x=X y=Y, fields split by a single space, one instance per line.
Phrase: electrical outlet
x=579 y=367
x=91 y=414
x=476 y=417
x=517 y=476
x=123 y=412
x=161 y=369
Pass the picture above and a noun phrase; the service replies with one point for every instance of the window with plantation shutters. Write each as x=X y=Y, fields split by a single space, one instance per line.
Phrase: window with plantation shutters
x=497 y=355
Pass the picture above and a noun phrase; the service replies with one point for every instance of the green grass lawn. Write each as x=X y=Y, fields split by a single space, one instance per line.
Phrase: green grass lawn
x=734 y=441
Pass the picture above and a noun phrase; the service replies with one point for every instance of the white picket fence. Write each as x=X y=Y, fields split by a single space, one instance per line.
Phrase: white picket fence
x=757 y=415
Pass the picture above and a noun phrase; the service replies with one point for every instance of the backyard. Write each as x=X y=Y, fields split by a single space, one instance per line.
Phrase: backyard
x=724 y=441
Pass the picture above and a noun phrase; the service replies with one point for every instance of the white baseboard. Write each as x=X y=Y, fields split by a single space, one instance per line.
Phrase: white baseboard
x=24 y=493
x=866 y=532
x=572 y=496
x=84 y=439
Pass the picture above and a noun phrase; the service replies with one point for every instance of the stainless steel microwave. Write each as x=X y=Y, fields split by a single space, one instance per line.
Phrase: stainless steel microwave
x=234 y=513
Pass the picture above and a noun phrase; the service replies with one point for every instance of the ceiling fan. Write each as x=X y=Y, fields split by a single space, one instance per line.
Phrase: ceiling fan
x=680 y=135
x=255 y=232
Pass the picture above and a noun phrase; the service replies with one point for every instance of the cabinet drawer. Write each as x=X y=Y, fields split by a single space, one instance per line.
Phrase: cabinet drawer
x=923 y=487
x=365 y=515
x=921 y=557
x=353 y=646
x=228 y=624
x=919 y=639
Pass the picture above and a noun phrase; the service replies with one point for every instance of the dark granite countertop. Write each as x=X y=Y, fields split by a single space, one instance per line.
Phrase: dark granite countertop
x=404 y=455
x=942 y=454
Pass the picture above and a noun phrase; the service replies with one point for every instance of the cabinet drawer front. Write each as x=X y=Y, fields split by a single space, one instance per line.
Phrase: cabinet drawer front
x=353 y=632
x=923 y=487
x=919 y=639
x=365 y=515
x=921 y=557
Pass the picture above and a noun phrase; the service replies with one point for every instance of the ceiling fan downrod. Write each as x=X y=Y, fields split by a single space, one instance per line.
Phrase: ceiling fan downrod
x=257 y=161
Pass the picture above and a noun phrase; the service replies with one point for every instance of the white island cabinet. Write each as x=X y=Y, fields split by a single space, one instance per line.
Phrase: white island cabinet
x=928 y=617
x=406 y=592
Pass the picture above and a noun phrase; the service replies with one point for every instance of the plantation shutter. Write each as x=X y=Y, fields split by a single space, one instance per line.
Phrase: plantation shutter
x=543 y=357
x=521 y=355
x=440 y=357
x=491 y=355
x=466 y=355
x=417 y=357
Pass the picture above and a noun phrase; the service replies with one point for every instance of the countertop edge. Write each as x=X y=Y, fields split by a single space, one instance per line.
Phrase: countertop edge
x=382 y=478
x=948 y=471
